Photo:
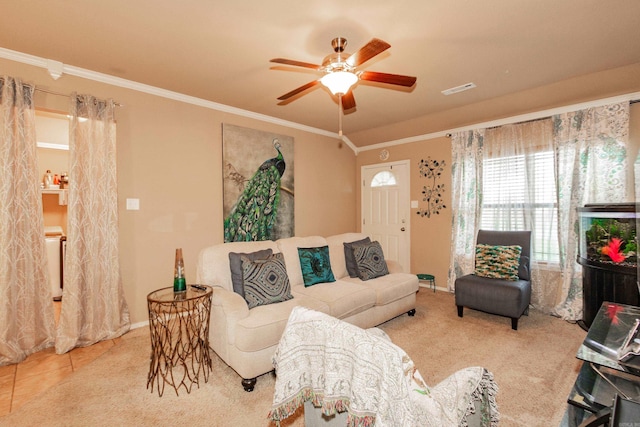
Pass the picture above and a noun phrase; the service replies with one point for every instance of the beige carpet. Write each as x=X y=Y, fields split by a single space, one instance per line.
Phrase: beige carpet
x=534 y=367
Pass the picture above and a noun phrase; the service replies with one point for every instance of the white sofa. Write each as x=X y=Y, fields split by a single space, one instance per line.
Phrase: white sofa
x=246 y=339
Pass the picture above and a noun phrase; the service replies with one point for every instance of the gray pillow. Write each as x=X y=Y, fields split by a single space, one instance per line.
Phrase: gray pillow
x=235 y=265
x=349 y=260
x=265 y=281
x=370 y=260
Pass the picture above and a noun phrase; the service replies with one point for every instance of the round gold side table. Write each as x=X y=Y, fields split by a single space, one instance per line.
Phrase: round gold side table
x=179 y=326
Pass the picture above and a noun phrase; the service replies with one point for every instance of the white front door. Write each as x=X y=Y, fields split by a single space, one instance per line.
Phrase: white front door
x=386 y=208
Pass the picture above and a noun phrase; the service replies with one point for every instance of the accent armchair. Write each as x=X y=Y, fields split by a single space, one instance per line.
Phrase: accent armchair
x=508 y=298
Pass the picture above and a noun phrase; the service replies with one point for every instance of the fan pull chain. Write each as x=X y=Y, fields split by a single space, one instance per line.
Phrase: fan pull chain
x=340 y=115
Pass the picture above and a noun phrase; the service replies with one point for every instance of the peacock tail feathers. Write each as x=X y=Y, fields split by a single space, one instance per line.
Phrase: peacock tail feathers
x=254 y=214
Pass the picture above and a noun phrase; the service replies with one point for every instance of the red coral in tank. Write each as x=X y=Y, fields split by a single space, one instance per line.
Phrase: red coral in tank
x=613 y=250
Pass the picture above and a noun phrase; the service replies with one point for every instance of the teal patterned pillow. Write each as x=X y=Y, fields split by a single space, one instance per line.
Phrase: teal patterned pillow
x=497 y=262
x=370 y=260
x=265 y=280
x=315 y=265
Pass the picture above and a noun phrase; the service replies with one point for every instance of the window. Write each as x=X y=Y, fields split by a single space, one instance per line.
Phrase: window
x=383 y=179
x=520 y=190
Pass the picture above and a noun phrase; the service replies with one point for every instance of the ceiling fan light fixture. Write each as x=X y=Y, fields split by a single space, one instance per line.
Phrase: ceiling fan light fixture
x=341 y=71
x=339 y=82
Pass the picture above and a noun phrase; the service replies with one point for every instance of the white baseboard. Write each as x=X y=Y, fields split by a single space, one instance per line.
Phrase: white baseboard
x=438 y=288
x=140 y=324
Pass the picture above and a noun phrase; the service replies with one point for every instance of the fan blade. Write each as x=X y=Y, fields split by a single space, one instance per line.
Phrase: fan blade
x=368 y=51
x=348 y=101
x=298 y=90
x=392 y=79
x=295 y=63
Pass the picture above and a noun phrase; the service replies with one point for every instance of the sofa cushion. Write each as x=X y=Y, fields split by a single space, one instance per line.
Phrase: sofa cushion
x=315 y=265
x=370 y=261
x=497 y=296
x=235 y=265
x=349 y=257
x=391 y=287
x=265 y=280
x=336 y=251
x=497 y=261
x=289 y=248
x=265 y=324
x=344 y=298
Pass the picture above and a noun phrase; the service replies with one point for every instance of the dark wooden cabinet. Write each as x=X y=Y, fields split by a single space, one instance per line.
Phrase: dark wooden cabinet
x=606 y=282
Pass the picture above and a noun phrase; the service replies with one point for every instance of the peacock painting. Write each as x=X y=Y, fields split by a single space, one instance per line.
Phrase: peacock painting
x=262 y=208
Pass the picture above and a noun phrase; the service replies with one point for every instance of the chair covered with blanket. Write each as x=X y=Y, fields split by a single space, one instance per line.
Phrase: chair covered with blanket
x=345 y=375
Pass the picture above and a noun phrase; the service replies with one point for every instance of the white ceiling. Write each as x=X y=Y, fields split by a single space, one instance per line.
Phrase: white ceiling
x=220 y=50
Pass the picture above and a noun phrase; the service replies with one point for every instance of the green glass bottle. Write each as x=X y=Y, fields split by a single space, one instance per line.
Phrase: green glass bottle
x=179 y=281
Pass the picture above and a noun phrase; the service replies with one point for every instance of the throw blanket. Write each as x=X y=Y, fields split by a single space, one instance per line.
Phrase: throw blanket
x=340 y=367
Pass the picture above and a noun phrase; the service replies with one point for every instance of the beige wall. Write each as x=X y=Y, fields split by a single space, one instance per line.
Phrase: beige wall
x=57 y=161
x=170 y=157
x=431 y=237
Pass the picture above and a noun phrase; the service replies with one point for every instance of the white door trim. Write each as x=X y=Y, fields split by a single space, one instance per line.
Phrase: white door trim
x=404 y=204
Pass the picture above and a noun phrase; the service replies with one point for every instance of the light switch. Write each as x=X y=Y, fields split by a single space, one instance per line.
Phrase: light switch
x=414 y=204
x=133 y=204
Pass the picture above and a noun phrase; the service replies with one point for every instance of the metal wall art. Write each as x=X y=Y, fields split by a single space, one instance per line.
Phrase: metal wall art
x=432 y=192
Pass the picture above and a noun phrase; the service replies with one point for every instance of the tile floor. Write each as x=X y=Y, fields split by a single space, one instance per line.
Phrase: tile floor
x=39 y=371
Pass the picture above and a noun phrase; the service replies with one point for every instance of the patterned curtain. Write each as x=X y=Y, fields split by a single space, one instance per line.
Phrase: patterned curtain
x=26 y=307
x=466 y=180
x=636 y=174
x=520 y=157
x=591 y=162
x=94 y=308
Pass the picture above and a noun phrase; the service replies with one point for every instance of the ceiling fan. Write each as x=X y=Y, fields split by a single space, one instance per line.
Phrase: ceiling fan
x=341 y=71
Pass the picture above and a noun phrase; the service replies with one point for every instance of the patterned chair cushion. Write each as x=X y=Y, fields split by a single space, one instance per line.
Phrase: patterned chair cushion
x=370 y=260
x=497 y=262
x=315 y=265
x=349 y=259
x=265 y=280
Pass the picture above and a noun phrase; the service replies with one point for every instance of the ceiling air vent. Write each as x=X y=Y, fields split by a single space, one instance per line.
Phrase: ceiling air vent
x=460 y=88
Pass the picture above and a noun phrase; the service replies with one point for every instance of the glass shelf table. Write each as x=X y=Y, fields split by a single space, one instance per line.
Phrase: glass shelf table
x=602 y=376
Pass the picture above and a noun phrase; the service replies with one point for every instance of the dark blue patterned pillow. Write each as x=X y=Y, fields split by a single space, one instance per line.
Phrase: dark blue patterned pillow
x=370 y=260
x=315 y=265
x=265 y=280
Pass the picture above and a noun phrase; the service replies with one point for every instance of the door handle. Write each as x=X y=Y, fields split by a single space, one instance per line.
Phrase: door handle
x=402 y=229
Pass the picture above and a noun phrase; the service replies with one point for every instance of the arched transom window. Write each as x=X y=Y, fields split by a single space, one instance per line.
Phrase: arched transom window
x=383 y=179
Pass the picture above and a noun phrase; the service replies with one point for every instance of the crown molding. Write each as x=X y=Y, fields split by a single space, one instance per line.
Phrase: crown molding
x=36 y=61
x=629 y=97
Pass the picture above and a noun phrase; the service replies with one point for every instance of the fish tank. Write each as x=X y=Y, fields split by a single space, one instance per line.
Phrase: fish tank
x=608 y=236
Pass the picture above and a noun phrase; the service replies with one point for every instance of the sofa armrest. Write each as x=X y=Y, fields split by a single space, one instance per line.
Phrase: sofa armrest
x=394 y=266
x=227 y=308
